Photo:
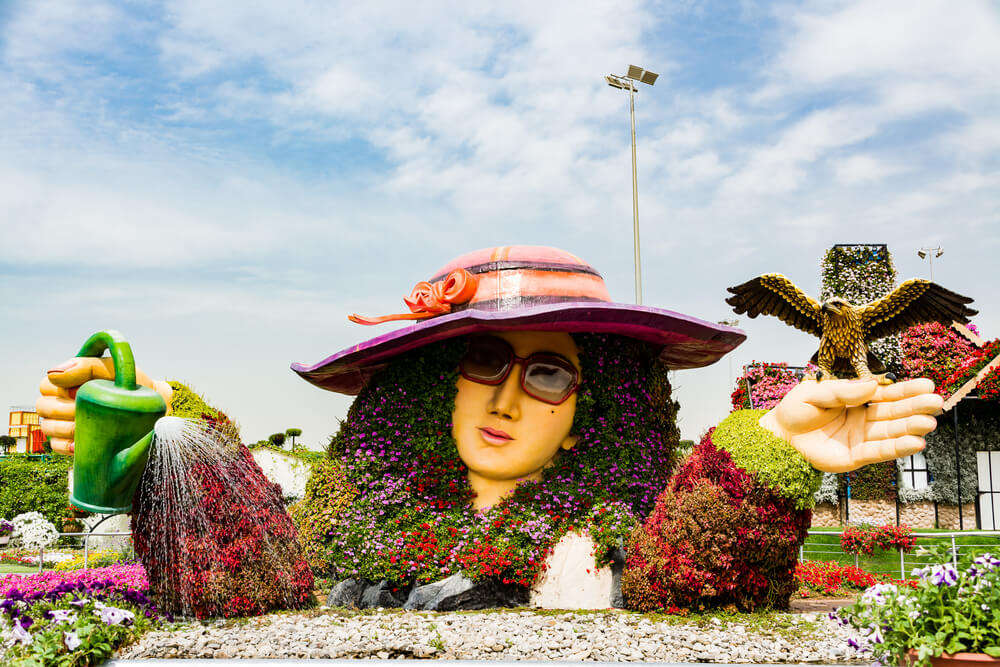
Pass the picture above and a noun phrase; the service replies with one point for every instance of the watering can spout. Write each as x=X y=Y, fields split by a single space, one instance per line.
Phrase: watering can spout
x=128 y=464
x=114 y=430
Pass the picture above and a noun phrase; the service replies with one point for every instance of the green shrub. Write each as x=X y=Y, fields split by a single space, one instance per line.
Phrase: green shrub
x=327 y=494
x=188 y=404
x=771 y=460
x=35 y=486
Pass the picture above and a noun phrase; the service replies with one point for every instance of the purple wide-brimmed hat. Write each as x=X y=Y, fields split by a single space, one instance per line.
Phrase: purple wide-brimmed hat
x=519 y=288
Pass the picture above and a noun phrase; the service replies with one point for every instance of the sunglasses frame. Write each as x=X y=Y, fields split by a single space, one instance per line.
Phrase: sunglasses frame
x=524 y=361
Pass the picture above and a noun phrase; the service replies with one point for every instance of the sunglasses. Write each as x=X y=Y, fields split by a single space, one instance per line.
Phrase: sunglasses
x=545 y=376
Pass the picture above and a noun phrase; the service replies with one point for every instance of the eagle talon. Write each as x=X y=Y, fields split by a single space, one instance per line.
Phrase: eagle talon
x=886 y=378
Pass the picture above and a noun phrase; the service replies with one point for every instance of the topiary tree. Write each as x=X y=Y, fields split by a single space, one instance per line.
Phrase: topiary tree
x=717 y=536
x=277 y=439
x=293 y=433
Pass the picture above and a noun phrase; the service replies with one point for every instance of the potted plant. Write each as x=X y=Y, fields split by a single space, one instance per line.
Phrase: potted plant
x=71 y=525
x=949 y=615
x=6 y=528
x=76 y=512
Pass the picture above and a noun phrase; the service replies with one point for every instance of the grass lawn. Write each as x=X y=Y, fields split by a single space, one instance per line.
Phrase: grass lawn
x=9 y=568
x=827 y=547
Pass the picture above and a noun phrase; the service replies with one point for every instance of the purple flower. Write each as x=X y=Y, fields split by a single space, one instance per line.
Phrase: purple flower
x=944 y=575
x=115 y=616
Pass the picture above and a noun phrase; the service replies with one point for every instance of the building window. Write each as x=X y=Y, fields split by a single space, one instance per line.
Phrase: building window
x=915 y=475
x=15 y=419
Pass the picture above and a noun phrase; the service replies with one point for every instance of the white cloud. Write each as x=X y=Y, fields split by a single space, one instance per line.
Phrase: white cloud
x=862 y=170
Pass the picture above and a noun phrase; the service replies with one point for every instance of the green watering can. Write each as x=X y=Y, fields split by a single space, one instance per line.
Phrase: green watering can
x=114 y=430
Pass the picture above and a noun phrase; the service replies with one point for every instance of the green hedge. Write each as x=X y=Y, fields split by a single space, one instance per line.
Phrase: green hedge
x=774 y=462
x=35 y=486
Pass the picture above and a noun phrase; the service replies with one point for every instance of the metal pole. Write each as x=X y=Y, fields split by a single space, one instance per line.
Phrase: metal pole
x=954 y=551
x=902 y=565
x=958 y=469
x=635 y=199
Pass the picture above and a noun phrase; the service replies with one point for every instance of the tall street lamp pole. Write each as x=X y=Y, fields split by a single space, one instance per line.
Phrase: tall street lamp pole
x=929 y=254
x=626 y=82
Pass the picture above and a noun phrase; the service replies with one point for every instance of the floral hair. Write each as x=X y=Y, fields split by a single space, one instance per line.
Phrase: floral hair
x=413 y=518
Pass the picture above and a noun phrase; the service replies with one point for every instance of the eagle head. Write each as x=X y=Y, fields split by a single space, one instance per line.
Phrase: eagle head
x=835 y=306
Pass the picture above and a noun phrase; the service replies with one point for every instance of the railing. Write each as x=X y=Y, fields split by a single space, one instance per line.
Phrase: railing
x=86 y=545
x=990 y=542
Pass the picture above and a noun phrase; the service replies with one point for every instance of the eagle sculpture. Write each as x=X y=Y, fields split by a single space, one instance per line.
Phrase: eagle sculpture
x=844 y=330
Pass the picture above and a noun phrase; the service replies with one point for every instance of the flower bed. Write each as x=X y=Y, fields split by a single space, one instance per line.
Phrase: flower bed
x=831 y=579
x=73 y=618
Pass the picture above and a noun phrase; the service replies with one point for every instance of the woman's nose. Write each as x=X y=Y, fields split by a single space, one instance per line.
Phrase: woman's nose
x=506 y=401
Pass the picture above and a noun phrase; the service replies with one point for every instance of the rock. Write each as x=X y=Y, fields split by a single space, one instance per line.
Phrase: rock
x=460 y=592
x=572 y=579
x=379 y=595
x=346 y=593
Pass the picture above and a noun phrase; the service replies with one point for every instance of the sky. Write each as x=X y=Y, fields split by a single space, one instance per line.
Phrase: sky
x=224 y=182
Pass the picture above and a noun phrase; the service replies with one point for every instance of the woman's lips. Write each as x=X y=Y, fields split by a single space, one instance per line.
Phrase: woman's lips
x=494 y=436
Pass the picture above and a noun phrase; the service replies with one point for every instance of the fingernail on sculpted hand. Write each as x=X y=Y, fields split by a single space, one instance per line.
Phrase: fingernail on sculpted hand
x=65 y=366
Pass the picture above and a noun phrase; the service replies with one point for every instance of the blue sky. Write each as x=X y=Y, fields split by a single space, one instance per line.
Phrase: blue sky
x=225 y=182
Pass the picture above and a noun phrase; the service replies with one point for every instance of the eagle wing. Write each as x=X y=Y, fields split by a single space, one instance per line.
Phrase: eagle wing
x=774 y=294
x=914 y=302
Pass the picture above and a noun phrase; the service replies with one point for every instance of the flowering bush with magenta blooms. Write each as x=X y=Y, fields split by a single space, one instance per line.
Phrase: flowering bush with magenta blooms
x=933 y=350
x=76 y=618
x=213 y=533
x=769 y=382
x=413 y=520
x=970 y=367
x=834 y=579
x=716 y=536
x=6 y=528
x=948 y=610
x=866 y=540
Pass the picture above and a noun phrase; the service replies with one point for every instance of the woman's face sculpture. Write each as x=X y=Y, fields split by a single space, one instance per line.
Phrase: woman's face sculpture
x=504 y=434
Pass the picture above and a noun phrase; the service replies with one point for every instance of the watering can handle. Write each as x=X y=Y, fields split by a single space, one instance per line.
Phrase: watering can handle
x=121 y=354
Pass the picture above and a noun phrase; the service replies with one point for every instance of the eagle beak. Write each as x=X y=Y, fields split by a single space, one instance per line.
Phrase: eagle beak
x=831 y=308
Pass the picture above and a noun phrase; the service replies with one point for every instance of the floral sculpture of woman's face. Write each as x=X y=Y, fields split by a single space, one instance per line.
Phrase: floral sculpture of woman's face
x=504 y=434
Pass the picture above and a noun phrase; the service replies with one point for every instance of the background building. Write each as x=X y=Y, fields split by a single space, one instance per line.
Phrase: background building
x=23 y=426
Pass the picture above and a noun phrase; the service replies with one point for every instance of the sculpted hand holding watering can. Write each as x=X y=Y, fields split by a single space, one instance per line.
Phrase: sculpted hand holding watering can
x=551 y=403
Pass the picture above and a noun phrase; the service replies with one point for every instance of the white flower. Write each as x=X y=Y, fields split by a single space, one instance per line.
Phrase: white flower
x=72 y=641
x=63 y=615
x=20 y=634
x=115 y=616
x=877 y=593
x=33 y=531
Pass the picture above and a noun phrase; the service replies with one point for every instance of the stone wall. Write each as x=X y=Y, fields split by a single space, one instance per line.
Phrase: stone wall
x=882 y=512
x=948 y=516
x=874 y=512
x=826 y=515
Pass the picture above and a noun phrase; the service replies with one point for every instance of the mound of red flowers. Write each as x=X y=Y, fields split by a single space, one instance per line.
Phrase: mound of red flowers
x=833 y=579
x=866 y=541
x=213 y=534
x=715 y=537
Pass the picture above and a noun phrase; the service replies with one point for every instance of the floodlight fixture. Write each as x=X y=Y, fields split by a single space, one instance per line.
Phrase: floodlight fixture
x=625 y=82
x=929 y=254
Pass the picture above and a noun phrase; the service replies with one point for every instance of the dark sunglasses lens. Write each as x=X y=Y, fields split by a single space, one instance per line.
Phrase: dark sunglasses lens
x=486 y=360
x=549 y=380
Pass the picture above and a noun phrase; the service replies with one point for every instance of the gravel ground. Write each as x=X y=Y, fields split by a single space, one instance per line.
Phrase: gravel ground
x=507 y=635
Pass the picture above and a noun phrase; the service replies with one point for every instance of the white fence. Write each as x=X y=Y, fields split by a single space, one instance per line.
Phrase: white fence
x=86 y=545
x=985 y=540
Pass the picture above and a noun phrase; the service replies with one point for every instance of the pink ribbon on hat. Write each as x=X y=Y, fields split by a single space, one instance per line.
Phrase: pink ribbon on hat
x=430 y=299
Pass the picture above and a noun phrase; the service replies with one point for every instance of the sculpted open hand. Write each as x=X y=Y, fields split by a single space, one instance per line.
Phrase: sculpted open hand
x=841 y=425
x=57 y=405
